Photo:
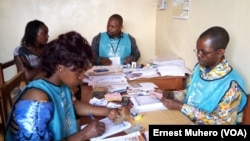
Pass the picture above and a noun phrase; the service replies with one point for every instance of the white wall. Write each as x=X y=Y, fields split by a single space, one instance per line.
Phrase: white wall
x=88 y=17
x=179 y=36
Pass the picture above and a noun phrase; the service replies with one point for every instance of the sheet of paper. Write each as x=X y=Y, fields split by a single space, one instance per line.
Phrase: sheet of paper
x=146 y=133
x=111 y=128
x=136 y=136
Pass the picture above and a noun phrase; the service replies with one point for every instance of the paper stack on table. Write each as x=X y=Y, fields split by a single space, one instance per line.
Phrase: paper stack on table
x=146 y=103
x=144 y=86
x=113 y=97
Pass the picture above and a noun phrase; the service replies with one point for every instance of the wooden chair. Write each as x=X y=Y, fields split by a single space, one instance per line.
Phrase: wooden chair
x=16 y=82
x=4 y=66
x=246 y=112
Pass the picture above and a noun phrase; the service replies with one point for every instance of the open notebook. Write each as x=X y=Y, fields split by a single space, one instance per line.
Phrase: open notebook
x=111 y=128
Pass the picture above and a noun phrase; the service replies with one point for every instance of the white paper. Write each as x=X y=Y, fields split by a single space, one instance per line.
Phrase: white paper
x=173 y=70
x=129 y=137
x=107 y=80
x=145 y=86
x=111 y=128
x=146 y=133
x=146 y=103
x=98 y=102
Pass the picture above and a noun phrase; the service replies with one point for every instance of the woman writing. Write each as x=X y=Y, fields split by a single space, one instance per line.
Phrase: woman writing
x=45 y=109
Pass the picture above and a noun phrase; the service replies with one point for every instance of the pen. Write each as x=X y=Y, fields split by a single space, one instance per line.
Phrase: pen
x=91 y=116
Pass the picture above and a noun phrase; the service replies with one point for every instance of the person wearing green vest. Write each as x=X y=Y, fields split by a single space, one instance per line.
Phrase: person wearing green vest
x=215 y=93
x=45 y=108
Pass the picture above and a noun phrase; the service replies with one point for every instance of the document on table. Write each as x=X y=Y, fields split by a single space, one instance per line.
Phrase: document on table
x=145 y=86
x=136 y=136
x=173 y=70
x=146 y=103
x=111 y=128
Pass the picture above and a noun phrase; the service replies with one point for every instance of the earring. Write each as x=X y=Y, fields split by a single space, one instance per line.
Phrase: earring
x=60 y=70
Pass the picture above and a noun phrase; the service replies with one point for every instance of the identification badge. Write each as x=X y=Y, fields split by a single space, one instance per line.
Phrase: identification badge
x=115 y=61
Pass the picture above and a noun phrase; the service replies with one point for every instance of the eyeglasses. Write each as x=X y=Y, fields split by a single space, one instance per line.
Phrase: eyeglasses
x=203 y=53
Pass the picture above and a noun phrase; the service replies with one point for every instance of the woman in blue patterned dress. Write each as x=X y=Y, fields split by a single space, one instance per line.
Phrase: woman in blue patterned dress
x=45 y=109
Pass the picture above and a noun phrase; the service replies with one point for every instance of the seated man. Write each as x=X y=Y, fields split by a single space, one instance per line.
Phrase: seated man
x=114 y=47
x=215 y=93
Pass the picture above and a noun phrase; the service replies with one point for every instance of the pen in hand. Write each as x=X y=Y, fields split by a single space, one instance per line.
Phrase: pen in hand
x=91 y=116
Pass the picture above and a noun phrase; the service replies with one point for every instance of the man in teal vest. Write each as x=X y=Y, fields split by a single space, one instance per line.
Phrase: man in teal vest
x=115 y=47
x=216 y=93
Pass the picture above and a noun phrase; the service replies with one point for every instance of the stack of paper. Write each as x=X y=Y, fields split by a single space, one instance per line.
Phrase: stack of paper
x=169 y=59
x=106 y=80
x=173 y=70
x=141 y=73
x=103 y=70
x=146 y=103
x=118 y=88
x=145 y=86
x=113 y=97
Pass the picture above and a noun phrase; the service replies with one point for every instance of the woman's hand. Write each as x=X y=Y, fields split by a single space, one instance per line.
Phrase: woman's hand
x=94 y=129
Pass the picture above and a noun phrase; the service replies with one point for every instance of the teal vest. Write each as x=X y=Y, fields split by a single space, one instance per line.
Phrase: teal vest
x=63 y=122
x=206 y=94
x=115 y=47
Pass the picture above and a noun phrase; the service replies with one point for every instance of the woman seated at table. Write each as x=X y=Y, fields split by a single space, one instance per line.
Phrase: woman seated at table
x=45 y=108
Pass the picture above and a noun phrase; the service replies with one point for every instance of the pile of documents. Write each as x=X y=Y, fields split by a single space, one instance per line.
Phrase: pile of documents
x=112 y=78
x=113 y=97
x=146 y=103
x=170 y=65
x=137 y=73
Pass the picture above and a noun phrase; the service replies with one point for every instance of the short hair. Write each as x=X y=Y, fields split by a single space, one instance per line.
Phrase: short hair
x=69 y=49
x=117 y=17
x=218 y=35
x=30 y=33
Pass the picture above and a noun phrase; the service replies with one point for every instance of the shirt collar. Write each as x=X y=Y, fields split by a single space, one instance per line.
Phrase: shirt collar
x=218 y=71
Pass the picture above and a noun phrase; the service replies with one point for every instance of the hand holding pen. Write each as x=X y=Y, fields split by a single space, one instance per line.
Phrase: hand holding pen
x=94 y=128
x=91 y=116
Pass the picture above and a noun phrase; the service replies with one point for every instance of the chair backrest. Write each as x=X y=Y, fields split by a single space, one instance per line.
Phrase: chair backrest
x=246 y=112
x=15 y=83
x=4 y=66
